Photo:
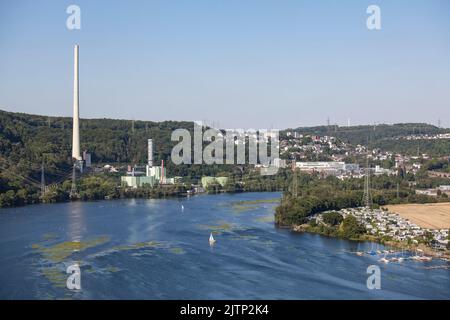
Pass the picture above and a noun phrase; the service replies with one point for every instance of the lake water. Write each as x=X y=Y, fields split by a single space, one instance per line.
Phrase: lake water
x=152 y=249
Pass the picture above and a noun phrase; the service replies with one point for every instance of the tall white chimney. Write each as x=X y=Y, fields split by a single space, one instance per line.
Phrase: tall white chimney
x=150 y=153
x=76 y=125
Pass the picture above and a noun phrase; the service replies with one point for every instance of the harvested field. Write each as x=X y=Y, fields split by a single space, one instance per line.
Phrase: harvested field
x=429 y=215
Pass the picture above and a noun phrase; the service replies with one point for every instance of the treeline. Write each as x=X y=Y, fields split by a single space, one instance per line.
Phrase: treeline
x=296 y=210
x=366 y=134
x=311 y=195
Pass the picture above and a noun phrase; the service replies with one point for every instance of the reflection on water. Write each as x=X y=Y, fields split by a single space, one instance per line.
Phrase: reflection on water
x=76 y=224
x=152 y=249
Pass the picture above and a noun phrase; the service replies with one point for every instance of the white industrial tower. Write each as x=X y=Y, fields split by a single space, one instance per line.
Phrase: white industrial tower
x=149 y=157
x=76 y=125
x=150 y=153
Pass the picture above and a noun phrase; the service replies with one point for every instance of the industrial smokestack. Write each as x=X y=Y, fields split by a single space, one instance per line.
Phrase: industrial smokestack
x=150 y=153
x=76 y=125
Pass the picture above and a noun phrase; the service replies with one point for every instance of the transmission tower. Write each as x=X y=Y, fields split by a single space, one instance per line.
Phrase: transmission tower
x=294 y=182
x=367 y=198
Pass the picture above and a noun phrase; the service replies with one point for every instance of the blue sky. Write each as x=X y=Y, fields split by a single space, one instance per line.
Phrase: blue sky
x=239 y=63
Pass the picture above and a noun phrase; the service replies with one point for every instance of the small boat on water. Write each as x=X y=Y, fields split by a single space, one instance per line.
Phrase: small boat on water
x=211 y=239
x=384 y=260
x=359 y=253
x=421 y=257
x=393 y=259
x=425 y=258
x=379 y=252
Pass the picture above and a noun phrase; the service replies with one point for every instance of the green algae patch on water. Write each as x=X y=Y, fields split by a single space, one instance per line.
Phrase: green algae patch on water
x=138 y=248
x=244 y=237
x=61 y=251
x=177 y=250
x=250 y=205
x=268 y=218
x=258 y=201
x=241 y=208
x=55 y=276
x=137 y=245
x=220 y=227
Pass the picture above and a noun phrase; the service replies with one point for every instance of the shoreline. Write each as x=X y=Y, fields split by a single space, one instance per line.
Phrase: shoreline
x=171 y=196
x=427 y=251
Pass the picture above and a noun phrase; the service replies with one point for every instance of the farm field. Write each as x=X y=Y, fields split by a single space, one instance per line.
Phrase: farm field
x=428 y=215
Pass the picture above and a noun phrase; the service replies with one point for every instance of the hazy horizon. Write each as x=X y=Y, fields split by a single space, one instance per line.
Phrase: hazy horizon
x=210 y=124
x=260 y=64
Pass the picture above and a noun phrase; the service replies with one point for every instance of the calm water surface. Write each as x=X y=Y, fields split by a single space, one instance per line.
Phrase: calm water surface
x=152 y=249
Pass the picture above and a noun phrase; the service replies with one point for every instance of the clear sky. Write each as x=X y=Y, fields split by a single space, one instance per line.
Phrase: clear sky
x=240 y=63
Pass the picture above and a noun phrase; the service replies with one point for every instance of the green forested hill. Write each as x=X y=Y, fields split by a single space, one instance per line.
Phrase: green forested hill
x=27 y=141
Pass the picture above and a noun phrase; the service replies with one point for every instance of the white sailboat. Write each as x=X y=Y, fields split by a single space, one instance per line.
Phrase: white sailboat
x=182 y=208
x=211 y=239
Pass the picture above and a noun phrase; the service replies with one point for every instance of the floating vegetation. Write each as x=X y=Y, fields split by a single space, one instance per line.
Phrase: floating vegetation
x=55 y=276
x=177 y=250
x=240 y=208
x=141 y=249
x=137 y=245
x=59 y=252
x=244 y=237
x=217 y=229
x=249 y=205
x=258 y=201
x=268 y=218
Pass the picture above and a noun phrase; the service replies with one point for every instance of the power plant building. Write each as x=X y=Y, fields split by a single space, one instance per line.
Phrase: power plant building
x=154 y=175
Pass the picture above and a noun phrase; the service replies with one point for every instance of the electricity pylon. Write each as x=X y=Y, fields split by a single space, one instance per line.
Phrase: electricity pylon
x=367 y=198
x=294 y=187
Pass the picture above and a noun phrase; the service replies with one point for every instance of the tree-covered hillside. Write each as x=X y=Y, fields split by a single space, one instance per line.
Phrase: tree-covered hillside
x=28 y=141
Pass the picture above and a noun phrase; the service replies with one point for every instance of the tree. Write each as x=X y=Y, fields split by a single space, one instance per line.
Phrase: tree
x=351 y=228
x=332 y=218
